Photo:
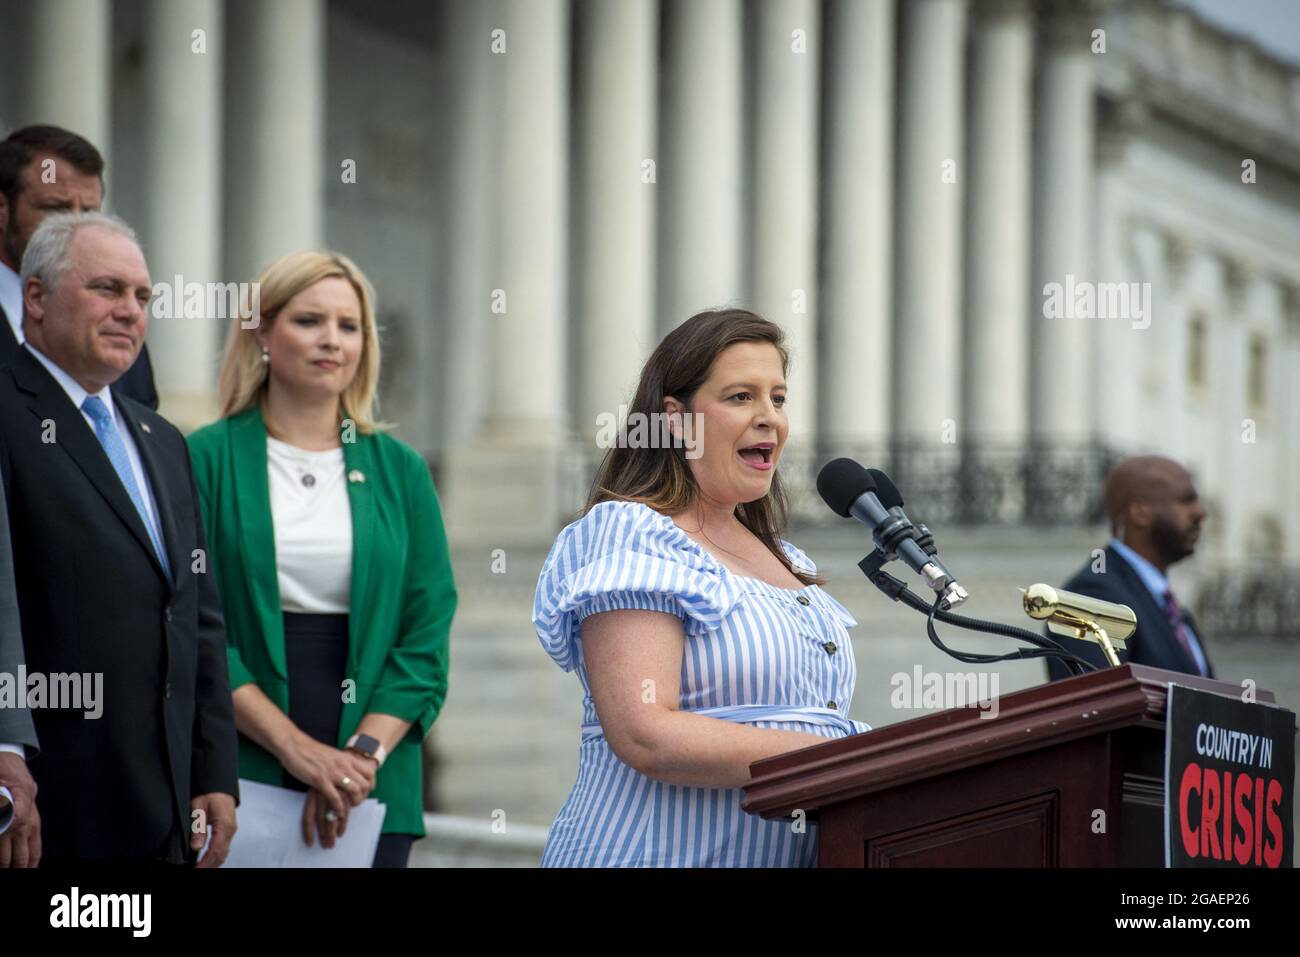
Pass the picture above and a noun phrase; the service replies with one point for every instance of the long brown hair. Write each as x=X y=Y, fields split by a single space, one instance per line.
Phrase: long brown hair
x=661 y=477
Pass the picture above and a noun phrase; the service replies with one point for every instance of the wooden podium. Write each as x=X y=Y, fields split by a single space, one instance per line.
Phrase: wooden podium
x=1023 y=789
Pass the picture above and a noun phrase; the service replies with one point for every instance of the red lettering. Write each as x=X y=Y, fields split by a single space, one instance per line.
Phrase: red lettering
x=1259 y=819
x=1273 y=856
x=1190 y=784
x=1241 y=849
x=1227 y=815
x=1210 y=805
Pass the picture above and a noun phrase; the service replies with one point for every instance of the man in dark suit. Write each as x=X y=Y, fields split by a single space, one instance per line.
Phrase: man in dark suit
x=43 y=170
x=1155 y=520
x=20 y=825
x=112 y=583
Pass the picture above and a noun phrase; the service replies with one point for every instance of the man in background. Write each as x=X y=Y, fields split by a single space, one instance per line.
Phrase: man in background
x=20 y=825
x=44 y=170
x=1155 y=521
x=112 y=581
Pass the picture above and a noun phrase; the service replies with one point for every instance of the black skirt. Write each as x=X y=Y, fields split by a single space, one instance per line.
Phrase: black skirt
x=316 y=658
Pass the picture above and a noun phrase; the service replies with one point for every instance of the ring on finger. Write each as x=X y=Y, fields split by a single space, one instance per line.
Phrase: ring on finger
x=332 y=815
x=346 y=782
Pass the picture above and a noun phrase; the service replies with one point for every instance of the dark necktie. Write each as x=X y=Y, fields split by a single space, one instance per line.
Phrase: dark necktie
x=1179 y=623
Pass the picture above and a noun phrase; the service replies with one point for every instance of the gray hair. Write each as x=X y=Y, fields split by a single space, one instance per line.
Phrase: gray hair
x=46 y=256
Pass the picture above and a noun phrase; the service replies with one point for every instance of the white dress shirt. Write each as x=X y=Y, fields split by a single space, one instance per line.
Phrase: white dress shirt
x=11 y=299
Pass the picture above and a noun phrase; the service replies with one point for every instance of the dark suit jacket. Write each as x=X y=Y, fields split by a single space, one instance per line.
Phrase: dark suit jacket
x=137 y=383
x=1153 y=643
x=94 y=598
x=15 y=723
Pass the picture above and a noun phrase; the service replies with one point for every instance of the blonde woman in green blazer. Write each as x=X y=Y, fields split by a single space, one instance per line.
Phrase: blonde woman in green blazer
x=327 y=544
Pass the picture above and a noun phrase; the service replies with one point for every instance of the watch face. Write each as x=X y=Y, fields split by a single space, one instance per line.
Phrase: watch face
x=366 y=744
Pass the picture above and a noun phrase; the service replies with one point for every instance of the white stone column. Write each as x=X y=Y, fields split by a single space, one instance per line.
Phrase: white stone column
x=700 y=175
x=67 y=78
x=859 y=138
x=1124 y=379
x=1289 y=370
x=1232 y=456
x=1263 y=478
x=929 y=216
x=618 y=66
x=504 y=487
x=995 y=374
x=182 y=227
x=1061 y=377
x=475 y=91
x=785 y=193
x=528 y=348
x=275 y=136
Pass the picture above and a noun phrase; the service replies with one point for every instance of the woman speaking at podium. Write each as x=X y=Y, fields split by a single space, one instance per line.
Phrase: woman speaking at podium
x=703 y=641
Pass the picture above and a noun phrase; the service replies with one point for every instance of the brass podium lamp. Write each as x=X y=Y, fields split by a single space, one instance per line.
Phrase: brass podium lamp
x=1077 y=616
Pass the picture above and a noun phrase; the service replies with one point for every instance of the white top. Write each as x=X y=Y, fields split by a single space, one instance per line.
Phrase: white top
x=313 y=528
x=11 y=299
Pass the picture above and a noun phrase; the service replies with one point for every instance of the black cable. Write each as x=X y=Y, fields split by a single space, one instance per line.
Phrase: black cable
x=1045 y=646
x=973 y=658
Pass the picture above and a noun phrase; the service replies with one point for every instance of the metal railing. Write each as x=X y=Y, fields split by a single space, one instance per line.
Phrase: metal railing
x=1257 y=602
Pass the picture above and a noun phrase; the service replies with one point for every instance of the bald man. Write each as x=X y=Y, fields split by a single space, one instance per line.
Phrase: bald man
x=1155 y=521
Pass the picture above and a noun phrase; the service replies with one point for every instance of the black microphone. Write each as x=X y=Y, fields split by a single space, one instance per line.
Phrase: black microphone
x=892 y=499
x=850 y=490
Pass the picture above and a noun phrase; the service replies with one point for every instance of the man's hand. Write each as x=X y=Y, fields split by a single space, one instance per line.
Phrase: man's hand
x=218 y=812
x=20 y=845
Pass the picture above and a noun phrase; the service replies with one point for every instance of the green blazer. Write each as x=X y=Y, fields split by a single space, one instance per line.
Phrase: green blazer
x=402 y=601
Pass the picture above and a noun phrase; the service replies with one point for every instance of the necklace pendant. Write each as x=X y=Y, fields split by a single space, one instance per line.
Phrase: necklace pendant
x=308 y=479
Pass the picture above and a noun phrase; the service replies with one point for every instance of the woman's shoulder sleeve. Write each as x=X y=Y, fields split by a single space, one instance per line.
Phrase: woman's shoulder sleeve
x=623 y=555
x=799 y=558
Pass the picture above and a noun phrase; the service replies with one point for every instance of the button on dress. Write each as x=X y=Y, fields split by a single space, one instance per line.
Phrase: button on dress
x=754 y=653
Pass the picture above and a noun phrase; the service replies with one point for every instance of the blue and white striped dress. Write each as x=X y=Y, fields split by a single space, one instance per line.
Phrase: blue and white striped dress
x=754 y=653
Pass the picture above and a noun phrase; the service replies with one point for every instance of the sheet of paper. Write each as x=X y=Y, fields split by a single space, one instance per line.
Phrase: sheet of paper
x=270 y=831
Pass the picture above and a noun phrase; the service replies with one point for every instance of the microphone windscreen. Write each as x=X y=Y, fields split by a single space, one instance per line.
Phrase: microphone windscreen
x=886 y=490
x=841 y=482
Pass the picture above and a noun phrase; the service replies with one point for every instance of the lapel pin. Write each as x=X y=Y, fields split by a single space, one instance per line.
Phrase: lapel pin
x=145 y=426
x=356 y=475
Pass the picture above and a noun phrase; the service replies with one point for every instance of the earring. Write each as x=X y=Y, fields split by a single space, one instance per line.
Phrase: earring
x=266 y=356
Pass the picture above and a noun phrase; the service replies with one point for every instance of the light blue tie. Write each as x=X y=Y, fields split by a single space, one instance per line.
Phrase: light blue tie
x=106 y=432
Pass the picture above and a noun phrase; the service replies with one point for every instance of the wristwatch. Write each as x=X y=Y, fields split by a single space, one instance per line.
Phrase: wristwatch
x=370 y=747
